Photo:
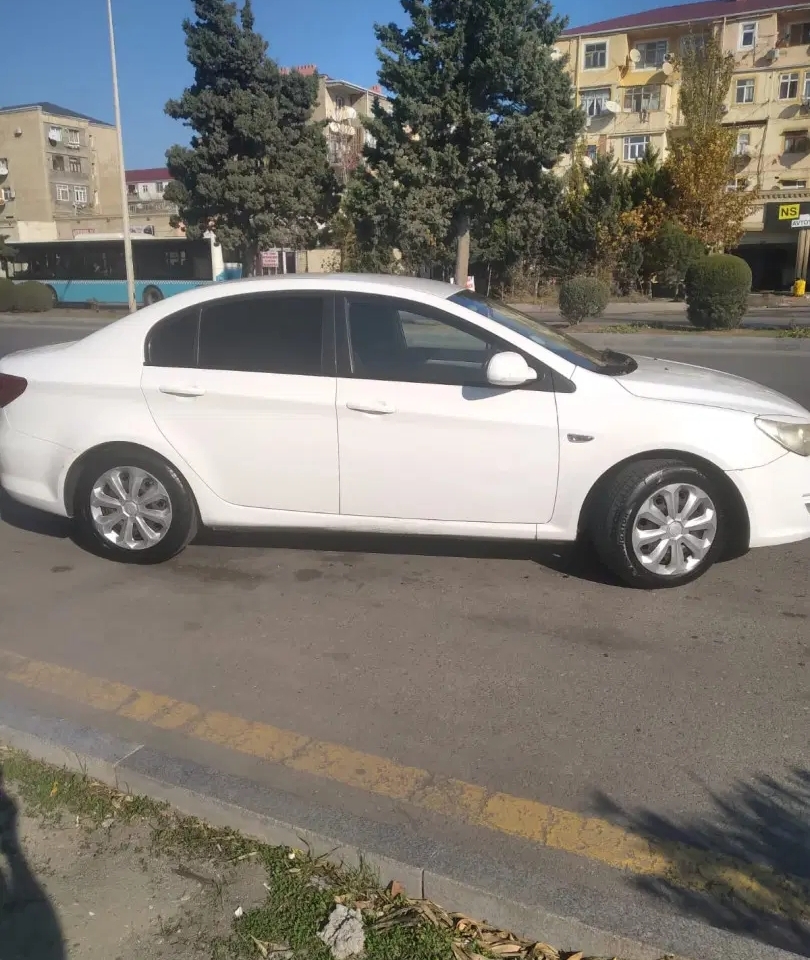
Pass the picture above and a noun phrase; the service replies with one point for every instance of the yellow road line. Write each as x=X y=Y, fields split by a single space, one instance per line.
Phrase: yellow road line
x=590 y=837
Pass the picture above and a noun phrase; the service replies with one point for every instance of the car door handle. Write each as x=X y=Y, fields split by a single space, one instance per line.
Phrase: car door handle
x=378 y=407
x=184 y=390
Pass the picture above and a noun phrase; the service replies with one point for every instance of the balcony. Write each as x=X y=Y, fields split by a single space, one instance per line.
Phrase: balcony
x=152 y=206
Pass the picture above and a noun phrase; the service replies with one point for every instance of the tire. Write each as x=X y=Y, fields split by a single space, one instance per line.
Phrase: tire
x=628 y=543
x=54 y=297
x=166 y=507
x=151 y=295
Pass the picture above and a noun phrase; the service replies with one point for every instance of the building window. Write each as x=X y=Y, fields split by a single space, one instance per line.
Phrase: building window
x=144 y=189
x=788 y=86
x=132 y=190
x=74 y=137
x=80 y=194
x=806 y=91
x=637 y=99
x=591 y=151
x=744 y=91
x=635 y=147
x=800 y=35
x=595 y=56
x=63 y=193
x=8 y=193
x=160 y=187
x=593 y=101
x=693 y=43
x=796 y=141
x=58 y=163
x=792 y=184
x=743 y=145
x=748 y=36
x=75 y=165
x=737 y=185
x=651 y=54
x=340 y=102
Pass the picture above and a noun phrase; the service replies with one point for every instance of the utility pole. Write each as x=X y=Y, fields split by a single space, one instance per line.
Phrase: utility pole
x=133 y=306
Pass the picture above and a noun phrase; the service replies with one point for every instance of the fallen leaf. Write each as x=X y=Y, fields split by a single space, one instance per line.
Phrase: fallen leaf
x=54 y=789
x=261 y=947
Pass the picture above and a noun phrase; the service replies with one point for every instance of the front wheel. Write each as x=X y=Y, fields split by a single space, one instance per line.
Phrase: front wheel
x=151 y=295
x=133 y=507
x=659 y=523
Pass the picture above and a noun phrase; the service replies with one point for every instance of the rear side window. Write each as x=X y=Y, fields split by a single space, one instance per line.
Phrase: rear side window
x=265 y=333
x=173 y=341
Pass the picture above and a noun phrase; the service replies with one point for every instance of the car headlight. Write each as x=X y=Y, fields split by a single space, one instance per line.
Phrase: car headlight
x=792 y=436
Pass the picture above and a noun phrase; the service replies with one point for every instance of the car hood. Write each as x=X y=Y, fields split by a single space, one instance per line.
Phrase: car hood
x=656 y=379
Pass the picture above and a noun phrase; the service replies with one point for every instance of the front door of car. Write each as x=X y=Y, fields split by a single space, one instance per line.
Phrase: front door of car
x=422 y=433
x=242 y=388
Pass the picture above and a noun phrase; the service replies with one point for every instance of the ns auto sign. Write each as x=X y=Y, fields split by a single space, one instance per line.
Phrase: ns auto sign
x=784 y=217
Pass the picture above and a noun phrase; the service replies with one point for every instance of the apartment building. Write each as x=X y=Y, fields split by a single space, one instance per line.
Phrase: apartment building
x=627 y=82
x=342 y=105
x=149 y=212
x=59 y=173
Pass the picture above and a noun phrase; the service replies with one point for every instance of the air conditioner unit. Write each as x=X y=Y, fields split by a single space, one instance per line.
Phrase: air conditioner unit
x=724 y=108
x=644 y=115
x=774 y=53
x=11 y=194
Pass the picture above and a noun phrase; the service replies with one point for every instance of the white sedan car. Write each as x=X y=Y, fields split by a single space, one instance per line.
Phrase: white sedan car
x=390 y=405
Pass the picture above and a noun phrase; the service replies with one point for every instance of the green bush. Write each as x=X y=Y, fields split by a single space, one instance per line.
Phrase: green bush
x=717 y=289
x=582 y=297
x=6 y=295
x=32 y=297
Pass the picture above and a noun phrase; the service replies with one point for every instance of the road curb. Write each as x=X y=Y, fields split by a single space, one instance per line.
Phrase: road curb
x=114 y=761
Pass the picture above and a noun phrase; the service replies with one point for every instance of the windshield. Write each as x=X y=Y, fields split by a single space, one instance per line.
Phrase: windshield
x=574 y=351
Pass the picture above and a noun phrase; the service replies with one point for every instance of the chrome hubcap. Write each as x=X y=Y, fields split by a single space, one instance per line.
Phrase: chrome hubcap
x=130 y=508
x=674 y=530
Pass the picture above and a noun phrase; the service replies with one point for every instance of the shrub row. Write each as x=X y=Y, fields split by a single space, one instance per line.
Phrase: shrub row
x=27 y=297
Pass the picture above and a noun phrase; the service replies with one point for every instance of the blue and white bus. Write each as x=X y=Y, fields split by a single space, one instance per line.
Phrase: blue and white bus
x=90 y=269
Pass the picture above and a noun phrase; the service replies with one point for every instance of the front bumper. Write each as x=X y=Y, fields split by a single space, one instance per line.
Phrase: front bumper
x=31 y=470
x=778 y=500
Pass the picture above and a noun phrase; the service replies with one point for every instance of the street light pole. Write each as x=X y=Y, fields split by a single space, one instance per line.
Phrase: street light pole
x=133 y=306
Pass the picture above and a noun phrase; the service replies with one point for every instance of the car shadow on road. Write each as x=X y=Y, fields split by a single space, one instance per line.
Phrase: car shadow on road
x=744 y=868
x=569 y=560
x=34 y=521
x=29 y=926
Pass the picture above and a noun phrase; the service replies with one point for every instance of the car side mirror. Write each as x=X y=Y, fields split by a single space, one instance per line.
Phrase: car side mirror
x=509 y=370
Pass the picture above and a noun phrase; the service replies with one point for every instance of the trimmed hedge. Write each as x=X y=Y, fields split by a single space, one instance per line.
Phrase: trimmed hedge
x=582 y=297
x=32 y=297
x=717 y=289
x=6 y=295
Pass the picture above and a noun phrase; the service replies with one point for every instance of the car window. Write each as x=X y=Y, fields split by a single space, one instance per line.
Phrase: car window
x=390 y=339
x=271 y=333
x=173 y=341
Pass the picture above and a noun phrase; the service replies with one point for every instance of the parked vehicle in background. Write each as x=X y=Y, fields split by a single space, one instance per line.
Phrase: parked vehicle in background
x=91 y=268
x=395 y=405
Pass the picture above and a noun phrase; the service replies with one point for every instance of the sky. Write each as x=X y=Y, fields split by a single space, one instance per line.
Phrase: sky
x=59 y=52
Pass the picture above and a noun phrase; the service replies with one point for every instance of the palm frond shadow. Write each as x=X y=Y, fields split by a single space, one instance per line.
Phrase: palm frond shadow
x=744 y=868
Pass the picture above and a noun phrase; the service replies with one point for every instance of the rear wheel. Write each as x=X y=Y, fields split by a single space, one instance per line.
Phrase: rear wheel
x=660 y=523
x=152 y=295
x=133 y=507
x=54 y=297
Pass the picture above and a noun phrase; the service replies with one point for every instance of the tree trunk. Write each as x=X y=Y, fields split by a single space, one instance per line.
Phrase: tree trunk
x=463 y=250
x=250 y=256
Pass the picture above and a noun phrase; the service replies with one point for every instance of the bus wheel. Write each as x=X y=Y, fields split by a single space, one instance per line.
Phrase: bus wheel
x=152 y=295
x=52 y=292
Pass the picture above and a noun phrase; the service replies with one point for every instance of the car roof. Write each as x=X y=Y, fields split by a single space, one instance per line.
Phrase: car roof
x=436 y=288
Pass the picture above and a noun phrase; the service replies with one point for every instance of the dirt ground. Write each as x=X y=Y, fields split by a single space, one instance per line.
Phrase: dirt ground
x=71 y=890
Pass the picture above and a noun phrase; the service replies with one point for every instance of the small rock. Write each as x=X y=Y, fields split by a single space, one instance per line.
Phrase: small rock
x=238 y=912
x=396 y=889
x=319 y=883
x=344 y=933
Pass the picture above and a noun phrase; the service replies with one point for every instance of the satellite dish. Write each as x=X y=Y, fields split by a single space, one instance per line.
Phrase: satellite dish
x=634 y=56
x=556 y=53
x=666 y=68
x=610 y=106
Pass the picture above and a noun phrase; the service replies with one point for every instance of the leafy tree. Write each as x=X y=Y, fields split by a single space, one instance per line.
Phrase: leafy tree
x=479 y=105
x=701 y=162
x=256 y=170
x=670 y=254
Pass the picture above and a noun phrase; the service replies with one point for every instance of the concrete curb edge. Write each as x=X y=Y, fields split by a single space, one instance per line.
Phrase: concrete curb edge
x=104 y=758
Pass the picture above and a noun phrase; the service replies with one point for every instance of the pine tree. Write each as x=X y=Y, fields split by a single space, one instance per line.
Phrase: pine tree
x=256 y=170
x=480 y=113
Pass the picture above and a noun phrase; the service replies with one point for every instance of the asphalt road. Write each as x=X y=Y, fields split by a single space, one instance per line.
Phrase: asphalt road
x=682 y=715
